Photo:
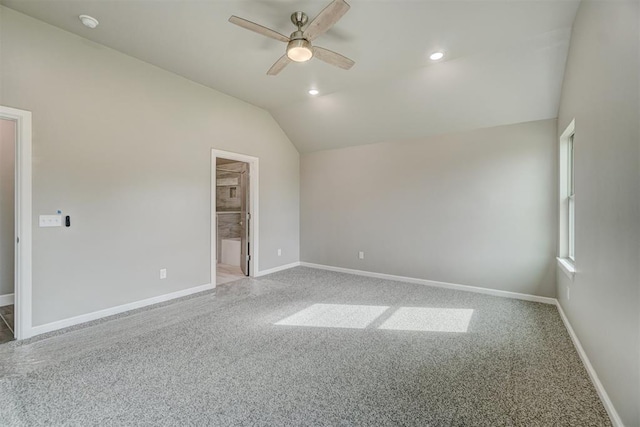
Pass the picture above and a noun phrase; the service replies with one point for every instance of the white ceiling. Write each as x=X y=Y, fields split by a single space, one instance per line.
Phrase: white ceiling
x=504 y=60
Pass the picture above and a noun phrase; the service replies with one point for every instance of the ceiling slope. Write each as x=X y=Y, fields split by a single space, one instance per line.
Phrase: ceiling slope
x=504 y=60
x=490 y=89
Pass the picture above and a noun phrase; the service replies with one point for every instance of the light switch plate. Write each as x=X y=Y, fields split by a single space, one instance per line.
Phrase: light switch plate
x=50 y=220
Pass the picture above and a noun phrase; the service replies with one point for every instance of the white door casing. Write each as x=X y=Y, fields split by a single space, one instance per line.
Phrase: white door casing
x=253 y=212
x=23 y=244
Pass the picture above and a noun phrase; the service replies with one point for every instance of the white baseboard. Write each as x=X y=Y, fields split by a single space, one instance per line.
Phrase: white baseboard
x=65 y=323
x=6 y=299
x=276 y=269
x=494 y=292
x=604 y=397
x=83 y=318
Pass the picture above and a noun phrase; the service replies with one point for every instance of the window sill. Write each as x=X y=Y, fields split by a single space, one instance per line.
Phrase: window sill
x=568 y=267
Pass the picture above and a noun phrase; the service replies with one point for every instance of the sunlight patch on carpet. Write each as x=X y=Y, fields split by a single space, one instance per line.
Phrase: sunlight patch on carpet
x=429 y=319
x=335 y=316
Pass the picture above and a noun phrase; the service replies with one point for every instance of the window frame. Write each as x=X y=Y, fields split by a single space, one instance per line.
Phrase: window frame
x=571 y=199
x=567 y=205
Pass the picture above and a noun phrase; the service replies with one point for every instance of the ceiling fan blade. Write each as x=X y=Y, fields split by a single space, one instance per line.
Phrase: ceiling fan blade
x=257 y=28
x=325 y=19
x=279 y=65
x=333 y=58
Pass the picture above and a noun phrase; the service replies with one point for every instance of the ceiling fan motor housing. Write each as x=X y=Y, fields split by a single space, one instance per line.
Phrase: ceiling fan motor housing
x=299 y=48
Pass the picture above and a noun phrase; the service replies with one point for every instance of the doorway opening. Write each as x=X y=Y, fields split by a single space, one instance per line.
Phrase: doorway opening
x=15 y=224
x=234 y=222
x=7 y=228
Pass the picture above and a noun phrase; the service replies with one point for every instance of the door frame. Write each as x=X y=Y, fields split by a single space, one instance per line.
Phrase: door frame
x=22 y=219
x=253 y=210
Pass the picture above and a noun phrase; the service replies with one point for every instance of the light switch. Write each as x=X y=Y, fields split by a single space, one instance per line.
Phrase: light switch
x=50 y=220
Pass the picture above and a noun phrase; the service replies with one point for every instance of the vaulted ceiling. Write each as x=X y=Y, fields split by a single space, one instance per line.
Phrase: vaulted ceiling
x=504 y=60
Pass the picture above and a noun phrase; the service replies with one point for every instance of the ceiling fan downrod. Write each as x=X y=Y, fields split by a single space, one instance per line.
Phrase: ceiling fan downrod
x=299 y=19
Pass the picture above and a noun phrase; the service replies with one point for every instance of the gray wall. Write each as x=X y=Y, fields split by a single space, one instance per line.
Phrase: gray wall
x=601 y=91
x=124 y=148
x=475 y=208
x=7 y=205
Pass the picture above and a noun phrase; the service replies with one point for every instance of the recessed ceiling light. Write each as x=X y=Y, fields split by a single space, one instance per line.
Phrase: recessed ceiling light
x=313 y=92
x=435 y=56
x=89 y=21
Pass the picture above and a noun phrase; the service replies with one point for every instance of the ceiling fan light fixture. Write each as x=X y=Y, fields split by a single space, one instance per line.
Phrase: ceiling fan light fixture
x=299 y=50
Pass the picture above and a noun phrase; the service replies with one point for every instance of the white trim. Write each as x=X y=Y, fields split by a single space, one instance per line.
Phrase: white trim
x=604 y=397
x=478 y=290
x=567 y=267
x=276 y=269
x=563 y=192
x=570 y=130
x=83 y=318
x=22 y=269
x=254 y=191
x=6 y=299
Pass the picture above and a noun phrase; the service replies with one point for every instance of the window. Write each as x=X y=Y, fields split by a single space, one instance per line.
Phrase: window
x=571 y=209
x=567 y=243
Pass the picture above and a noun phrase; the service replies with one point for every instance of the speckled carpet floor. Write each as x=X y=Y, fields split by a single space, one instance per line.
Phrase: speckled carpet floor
x=307 y=347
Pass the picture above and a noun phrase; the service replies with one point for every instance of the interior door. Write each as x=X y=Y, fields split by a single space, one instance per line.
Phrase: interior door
x=244 y=221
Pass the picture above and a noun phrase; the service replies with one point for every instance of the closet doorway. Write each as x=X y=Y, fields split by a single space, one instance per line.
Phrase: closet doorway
x=234 y=219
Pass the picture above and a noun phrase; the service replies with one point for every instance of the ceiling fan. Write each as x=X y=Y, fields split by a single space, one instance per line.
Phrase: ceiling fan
x=299 y=48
